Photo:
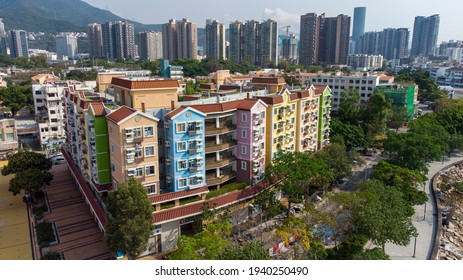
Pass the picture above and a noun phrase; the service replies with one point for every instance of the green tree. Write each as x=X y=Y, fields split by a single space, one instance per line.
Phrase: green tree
x=349 y=109
x=291 y=80
x=427 y=125
x=456 y=142
x=352 y=135
x=379 y=110
x=39 y=61
x=406 y=180
x=299 y=172
x=411 y=150
x=295 y=227
x=253 y=250
x=30 y=180
x=381 y=213
x=153 y=66
x=16 y=98
x=129 y=219
x=26 y=160
x=373 y=254
x=339 y=161
x=398 y=117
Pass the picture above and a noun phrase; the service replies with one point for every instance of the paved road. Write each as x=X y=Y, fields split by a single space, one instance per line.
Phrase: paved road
x=423 y=221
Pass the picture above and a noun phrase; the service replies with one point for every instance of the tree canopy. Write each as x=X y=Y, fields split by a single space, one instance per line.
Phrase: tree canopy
x=16 y=97
x=130 y=219
x=26 y=160
x=337 y=158
x=352 y=135
x=349 y=109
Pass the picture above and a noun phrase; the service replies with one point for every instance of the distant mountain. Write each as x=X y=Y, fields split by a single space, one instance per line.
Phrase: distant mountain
x=58 y=16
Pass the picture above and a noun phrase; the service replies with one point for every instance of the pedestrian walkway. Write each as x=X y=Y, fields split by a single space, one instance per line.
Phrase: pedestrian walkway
x=15 y=242
x=79 y=235
x=423 y=220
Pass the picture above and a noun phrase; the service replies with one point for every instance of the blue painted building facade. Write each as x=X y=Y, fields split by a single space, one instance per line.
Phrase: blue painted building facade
x=185 y=149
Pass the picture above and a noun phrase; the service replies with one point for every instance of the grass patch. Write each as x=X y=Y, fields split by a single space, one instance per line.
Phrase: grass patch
x=45 y=234
x=226 y=189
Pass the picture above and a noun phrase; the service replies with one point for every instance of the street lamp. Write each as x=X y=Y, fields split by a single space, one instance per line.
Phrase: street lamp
x=424 y=215
x=414 y=247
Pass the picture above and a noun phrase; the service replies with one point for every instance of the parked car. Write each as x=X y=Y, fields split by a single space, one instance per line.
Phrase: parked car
x=58 y=159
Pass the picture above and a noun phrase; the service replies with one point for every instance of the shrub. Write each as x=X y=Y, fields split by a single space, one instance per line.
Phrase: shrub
x=226 y=189
x=45 y=234
x=52 y=256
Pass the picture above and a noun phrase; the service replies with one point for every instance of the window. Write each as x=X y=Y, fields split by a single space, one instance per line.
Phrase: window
x=244 y=117
x=262 y=130
x=243 y=150
x=151 y=188
x=112 y=148
x=138 y=152
x=113 y=167
x=181 y=146
x=181 y=128
x=149 y=151
x=148 y=131
x=181 y=165
x=150 y=170
x=244 y=133
x=182 y=183
x=111 y=129
x=137 y=132
x=243 y=165
x=275 y=111
x=138 y=172
x=293 y=107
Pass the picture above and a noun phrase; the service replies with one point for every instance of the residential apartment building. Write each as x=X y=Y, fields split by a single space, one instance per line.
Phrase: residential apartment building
x=152 y=93
x=215 y=40
x=324 y=39
x=324 y=115
x=66 y=46
x=18 y=44
x=307 y=119
x=453 y=77
x=49 y=112
x=425 y=34
x=3 y=43
x=95 y=37
x=253 y=42
x=364 y=84
x=179 y=39
x=391 y=43
x=150 y=45
x=365 y=62
x=118 y=39
x=8 y=138
x=133 y=146
x=184 y=144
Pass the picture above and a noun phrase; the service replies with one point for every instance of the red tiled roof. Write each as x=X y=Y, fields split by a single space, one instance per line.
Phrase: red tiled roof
x=144 y=84
x=220 y=201
x=229 y=87
x=98 y=109
x=120 y=114
x=220 y=107
x=175 y=112
x=177 y=195
x=83 y=104
x=320 y=89
x=270 y=81
x=271 y=100
x=247 y=104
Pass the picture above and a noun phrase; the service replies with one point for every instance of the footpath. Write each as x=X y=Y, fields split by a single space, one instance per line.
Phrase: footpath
x=420 y=248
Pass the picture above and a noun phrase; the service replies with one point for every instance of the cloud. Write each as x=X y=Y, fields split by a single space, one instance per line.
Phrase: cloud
x=283 y=18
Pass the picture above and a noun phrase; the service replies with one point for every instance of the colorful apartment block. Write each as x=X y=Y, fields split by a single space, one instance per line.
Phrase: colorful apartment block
x=281 y=123
x=133 y=145
x=250 y=149
x=307 y=119
x=98 y=140
x=185 y=149
x=324 y=117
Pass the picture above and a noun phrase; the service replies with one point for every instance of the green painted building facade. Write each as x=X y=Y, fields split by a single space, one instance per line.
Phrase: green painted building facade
x=324 y=117
x=99 y=145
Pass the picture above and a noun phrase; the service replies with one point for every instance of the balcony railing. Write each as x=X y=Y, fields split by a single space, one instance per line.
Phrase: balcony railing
x=213 y=130
x=213 y=180
x=212 y=147
x=212 y=164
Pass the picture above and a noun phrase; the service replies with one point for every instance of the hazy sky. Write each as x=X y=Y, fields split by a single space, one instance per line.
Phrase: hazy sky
x=380 y=14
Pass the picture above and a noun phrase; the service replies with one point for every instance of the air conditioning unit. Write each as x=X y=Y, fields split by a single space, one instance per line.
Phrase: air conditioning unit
x=167 y=143
x=168 y=161
x=168 y=179
x=166 y=125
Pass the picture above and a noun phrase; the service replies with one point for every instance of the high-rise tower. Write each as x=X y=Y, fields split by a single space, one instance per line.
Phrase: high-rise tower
x=425 y=33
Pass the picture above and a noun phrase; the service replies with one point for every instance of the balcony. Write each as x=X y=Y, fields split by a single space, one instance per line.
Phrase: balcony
x=192 y=132
x=212 y=147
x=137 y=140
x=213 y=180
x=212 y=164
x=193 y=169
x=192 y=151
x=213 y=130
